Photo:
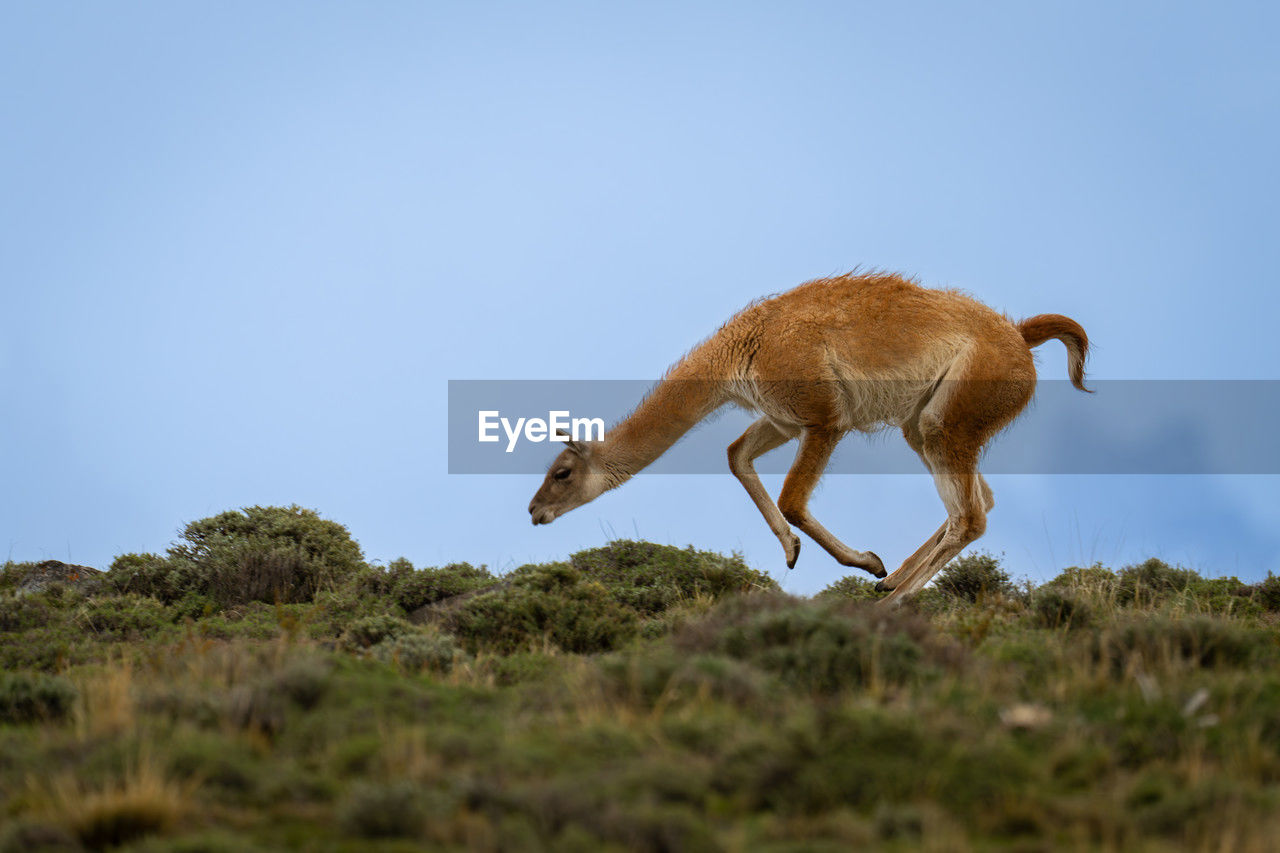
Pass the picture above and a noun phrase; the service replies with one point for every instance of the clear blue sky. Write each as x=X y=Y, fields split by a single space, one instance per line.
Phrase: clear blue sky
x=244 y=246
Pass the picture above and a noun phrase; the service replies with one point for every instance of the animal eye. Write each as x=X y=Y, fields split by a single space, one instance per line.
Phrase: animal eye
x=562 y=474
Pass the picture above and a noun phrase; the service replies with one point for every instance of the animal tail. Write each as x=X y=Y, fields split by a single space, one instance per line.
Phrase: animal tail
x=1040 y=328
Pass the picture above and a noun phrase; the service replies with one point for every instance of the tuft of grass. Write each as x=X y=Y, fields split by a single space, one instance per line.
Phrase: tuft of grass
x=141 y=802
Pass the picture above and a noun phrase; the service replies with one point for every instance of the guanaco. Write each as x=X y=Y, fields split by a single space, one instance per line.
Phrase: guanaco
x=857 y=352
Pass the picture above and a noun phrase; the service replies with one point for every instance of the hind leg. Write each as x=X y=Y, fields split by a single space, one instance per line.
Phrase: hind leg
x=911 y=432
x=962 y=494
x=902 y=572
x=948 y=434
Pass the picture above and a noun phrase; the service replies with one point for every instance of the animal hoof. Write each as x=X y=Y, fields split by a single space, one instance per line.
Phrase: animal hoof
x=883 y=587
x=793 y=553
x=877 y=566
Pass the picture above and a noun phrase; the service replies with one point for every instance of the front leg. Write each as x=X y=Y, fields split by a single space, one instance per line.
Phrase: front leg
x=761 y=437
x=815 y=451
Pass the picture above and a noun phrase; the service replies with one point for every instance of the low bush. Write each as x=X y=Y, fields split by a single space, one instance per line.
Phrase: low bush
x=371 y=630
x=1059 y=607
x=852 y=587
x=19 y=613
x=29 y=697
x=649 y=578
x=1152 y=582
x=1201 y=641
x=973 y=575
x=1096 y=580
x=419 y=652
x=821 y=646
x=1267 y=592
x=270 y=554
x=414 y=589
x=547 y=603
x=124 y=617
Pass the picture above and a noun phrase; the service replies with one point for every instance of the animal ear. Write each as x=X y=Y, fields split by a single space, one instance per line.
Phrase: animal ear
x=573 y=446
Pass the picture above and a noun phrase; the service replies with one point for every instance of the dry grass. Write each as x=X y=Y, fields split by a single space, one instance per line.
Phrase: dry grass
x=140 y=801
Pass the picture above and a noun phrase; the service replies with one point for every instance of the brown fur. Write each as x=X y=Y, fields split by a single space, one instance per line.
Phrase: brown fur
x=854 y=352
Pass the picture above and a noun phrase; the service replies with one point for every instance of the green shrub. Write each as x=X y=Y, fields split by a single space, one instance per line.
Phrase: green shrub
x=831 y=758
x=419 y=652
x=20 y=613
x=194 y=605
x=549 y=602
x=650 y=578
x=1267 y=592
x=852 y=587
x=145 y=574
x=1223 y=595
x=820 y=646
x=270 y=554
x=1096 y=579
x=334 y=611
x=1152 y=581
x=371 y=630
x=415 y=589
x=973 y=575
x=13 y=573
x=665 y=674
x=1200 y=640
x=49 y=647
x=28 y=697
x=124 y=617
x=379 y=581
x=1059 y=607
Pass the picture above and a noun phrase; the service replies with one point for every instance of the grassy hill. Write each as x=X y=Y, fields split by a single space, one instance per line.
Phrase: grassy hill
x=261 y=687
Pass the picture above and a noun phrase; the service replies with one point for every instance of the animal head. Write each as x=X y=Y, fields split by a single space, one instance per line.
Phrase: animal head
x=572 y=480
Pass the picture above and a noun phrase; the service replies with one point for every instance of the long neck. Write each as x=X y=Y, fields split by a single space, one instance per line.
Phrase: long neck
x=673 y=408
